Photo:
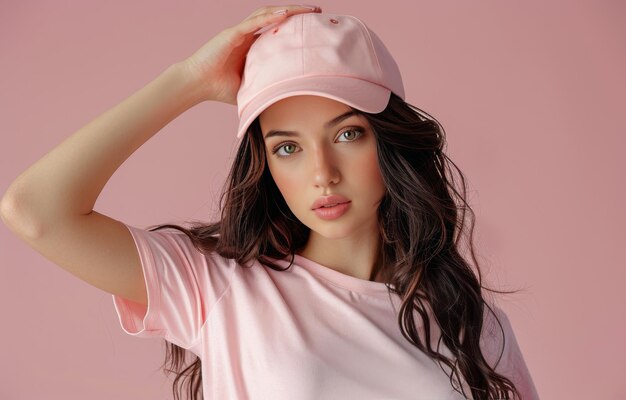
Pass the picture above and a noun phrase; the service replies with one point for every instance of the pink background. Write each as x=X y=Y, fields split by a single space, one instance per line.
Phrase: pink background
x=531 y=95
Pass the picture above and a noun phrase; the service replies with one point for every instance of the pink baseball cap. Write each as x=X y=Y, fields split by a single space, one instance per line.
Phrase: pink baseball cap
x=330 y=55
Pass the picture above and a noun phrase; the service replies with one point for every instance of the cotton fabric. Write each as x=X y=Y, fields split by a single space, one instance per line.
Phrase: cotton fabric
x=309 y=332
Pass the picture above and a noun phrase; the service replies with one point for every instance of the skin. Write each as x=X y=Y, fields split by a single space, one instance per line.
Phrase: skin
x=319 y=162
x=50 y=205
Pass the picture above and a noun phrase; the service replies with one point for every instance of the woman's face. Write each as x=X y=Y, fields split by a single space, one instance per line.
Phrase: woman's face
x=323 y=157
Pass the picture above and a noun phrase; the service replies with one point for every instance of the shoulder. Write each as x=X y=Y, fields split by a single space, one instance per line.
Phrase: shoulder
x=497 y=335
x=175 y=248
x=171 y=238
x=503 y=353
x=495 y=319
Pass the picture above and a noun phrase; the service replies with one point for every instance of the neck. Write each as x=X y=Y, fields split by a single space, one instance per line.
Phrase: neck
x=360 y=258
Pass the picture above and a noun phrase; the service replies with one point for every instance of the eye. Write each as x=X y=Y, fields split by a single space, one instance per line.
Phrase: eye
x=285 y=146
x=357 y=132
x=354 y=131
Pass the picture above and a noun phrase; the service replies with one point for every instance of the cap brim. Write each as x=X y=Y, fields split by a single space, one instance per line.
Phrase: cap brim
x=362 y=95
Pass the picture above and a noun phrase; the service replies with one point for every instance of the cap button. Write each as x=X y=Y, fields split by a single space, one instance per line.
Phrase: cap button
x=334 y=21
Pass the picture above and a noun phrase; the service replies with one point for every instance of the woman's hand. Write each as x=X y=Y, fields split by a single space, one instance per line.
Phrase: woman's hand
x=217 y=66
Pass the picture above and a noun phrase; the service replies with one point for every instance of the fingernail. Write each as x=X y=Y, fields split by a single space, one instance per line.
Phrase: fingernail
x=309 y=6
x=281 y=12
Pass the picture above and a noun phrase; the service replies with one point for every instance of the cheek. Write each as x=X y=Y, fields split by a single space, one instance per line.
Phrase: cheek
x=368 y=170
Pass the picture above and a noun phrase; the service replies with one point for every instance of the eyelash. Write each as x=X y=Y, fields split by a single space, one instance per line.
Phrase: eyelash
x=353 y=129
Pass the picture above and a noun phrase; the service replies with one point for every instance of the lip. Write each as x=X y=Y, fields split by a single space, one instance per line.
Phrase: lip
x=329 y=213
x=326 y=200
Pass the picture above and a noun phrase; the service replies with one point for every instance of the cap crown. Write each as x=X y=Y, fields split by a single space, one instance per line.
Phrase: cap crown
x=317 y=44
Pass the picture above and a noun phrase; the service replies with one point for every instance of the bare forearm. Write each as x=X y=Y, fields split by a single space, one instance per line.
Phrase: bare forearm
x=68 y=180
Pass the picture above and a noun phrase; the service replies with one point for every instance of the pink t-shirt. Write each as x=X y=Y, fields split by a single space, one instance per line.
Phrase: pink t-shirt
x=309 y=332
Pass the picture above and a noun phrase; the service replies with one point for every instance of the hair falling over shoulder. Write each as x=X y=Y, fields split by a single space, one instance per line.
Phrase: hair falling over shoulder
x=421 y=222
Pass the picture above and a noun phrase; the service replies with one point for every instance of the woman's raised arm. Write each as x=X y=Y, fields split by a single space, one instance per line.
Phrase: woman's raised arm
x=50 y=204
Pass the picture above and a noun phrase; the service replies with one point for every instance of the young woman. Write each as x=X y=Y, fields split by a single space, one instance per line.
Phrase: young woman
x=336 y=269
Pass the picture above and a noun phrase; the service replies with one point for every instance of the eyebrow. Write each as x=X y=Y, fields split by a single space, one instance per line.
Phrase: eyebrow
x=328 y=125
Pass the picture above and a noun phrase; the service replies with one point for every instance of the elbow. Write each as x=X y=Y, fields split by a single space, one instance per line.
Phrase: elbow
x=14 y=215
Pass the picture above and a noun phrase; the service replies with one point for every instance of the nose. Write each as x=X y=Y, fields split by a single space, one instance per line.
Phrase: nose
x=325 y=168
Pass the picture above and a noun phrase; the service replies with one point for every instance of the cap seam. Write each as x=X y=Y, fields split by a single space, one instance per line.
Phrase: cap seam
x=302 y=45
x=372 y=47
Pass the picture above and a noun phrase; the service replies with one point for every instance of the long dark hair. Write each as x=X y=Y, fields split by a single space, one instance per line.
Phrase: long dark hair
x=421 y=220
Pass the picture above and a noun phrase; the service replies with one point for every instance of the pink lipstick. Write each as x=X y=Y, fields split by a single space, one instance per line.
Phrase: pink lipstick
x=332 y=212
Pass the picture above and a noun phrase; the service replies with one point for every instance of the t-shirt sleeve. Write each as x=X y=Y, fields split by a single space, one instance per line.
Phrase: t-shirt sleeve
x=183 y=285
x=512 y=364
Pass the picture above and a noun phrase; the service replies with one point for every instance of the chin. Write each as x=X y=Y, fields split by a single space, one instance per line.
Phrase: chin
x=333 y=230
